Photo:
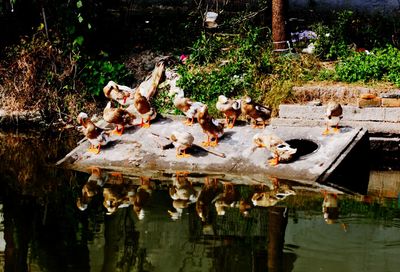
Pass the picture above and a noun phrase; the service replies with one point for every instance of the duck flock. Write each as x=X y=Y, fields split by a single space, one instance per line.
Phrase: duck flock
x=134 y=108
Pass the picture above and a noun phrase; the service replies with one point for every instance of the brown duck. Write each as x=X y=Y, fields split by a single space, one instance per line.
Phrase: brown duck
x=119 y=117
x=143 y=109
x=186 y=105
x=120 y=93
x=230 y=108
x=334 y=113
x=257 y=112
x=96 y=136
x=210 y=126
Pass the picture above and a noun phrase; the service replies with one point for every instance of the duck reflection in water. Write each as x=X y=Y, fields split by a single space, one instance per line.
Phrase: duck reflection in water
x=93 y=186
x=139 y=198
x=230 y=198
x=207 y=194
x=116 y=196
x=267 y=198
x=227 y=198
x=182 y=193
x=330 y=210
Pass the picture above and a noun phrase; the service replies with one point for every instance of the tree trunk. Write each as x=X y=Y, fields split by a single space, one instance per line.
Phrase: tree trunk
x=278 y=26
x=277 y=222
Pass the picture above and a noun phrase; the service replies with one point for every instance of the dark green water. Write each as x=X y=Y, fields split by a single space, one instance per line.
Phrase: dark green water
x=144 y=229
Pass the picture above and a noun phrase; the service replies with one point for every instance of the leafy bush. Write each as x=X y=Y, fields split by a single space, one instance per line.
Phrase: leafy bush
x=226 y=64
x=380 y=64
x=96 y=73
x=332 y=42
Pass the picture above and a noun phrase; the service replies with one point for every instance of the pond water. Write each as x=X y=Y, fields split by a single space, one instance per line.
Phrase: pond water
x=59 y=220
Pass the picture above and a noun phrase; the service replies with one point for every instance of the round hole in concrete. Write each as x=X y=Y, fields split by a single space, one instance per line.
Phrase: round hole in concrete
x=304 y=146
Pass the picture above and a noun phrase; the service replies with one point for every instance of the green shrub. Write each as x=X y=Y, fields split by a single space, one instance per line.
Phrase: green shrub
x=96 y=73
x=226 y=64
x=332 y=42
x=380 y=64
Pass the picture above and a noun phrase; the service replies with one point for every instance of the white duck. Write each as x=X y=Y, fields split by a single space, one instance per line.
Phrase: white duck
x=231 y=108
x=182 y=141
x=281 y=151
x=120 y=93
x=185 y=105
x=96 y=136
x=334 y=113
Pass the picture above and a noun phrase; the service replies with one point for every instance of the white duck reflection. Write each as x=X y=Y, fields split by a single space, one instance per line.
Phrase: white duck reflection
x=92 y=187
x=267 y=198
x=182 y=193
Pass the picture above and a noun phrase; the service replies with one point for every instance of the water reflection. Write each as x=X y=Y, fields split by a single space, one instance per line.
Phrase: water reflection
x=52 y=220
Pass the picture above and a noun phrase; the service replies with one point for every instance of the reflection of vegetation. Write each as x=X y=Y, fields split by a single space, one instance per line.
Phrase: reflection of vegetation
x=348 y=205
x=38 y=204
x=26 y=159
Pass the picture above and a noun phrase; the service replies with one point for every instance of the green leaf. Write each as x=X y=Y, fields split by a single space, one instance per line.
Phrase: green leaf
x=78 y=40
x=79 y=4
x=80 y=18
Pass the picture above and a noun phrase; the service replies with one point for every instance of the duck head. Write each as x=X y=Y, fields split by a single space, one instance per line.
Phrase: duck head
x=82 y=119
x=285 y=151
x=246 y=99
x=222 y=99
x=264 y=199
x=176 y=91
x=202 y=111
x=111 y=85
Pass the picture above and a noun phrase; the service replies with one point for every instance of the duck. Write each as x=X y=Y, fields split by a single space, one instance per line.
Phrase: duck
x=211 y=127
x=96 y=180
x=281 y=151
x=115 y=197
x=182 y=188
x=96 y=136
x=256 y=112
x=334 y=113
x=185 y=105
x=142 y=196
x=120 y=93
x=149 y=87
x=92 y=187
x=228 y=198
x=179 y=205
x=230 y=108
x=182 y=141
x=271 y=198
x=330 y=208
x=119 y=117
x=143 y=108
x=207 y=194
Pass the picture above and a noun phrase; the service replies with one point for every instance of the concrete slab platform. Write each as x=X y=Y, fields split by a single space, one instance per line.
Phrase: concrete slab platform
x=375 y=120
x=137 y=151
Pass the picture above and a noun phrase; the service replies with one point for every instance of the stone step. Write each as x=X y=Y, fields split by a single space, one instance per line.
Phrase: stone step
x=371 y=126
x=350 y=113
x=348 y=93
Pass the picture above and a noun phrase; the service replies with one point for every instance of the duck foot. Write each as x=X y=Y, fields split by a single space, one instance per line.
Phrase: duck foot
x=326 y=132
x=273 y=162
x=118 y=131
x=94 y=150
x=214 y=143
x=205 y=144
x=183 y=155
x=145 y=125
x=188 y=122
